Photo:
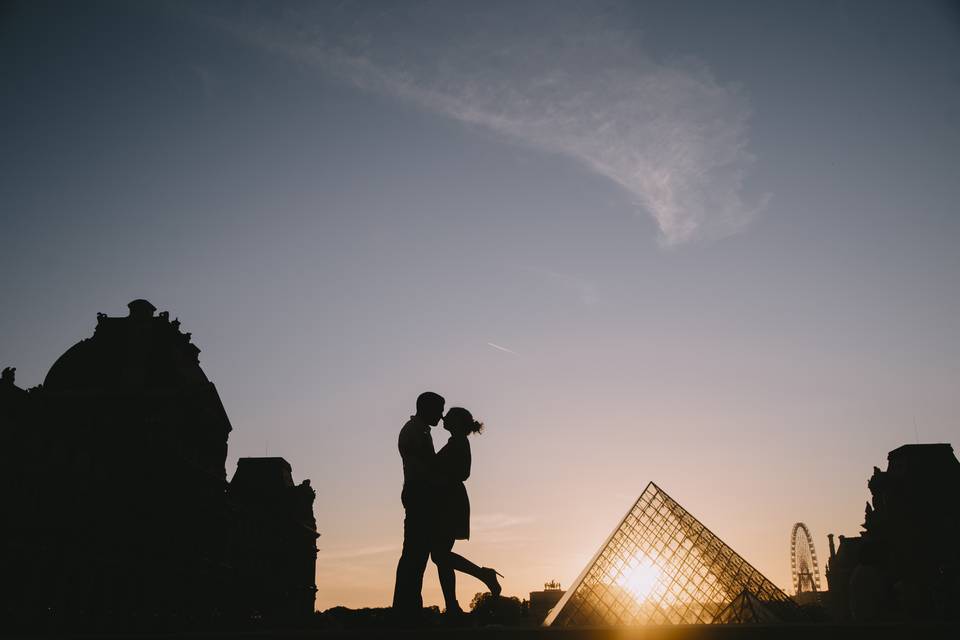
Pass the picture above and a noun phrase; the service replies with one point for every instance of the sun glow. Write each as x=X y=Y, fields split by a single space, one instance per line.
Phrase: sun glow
x=640 y=578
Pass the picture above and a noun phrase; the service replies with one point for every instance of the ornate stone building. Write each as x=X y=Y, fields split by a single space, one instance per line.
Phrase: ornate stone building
x=114 y=484
x=904 y=565
x=274 y=539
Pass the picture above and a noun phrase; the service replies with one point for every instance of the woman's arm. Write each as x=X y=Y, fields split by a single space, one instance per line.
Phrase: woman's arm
x=454 y=459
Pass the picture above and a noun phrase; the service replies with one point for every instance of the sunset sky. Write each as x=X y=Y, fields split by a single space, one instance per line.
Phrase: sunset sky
x=713 y=245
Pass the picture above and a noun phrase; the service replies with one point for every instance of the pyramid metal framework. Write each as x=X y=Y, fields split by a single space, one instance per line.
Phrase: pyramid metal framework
x=746 y=609
x=660 y=566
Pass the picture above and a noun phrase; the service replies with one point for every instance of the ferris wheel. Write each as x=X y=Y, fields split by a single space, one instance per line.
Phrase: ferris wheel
x=803 y=560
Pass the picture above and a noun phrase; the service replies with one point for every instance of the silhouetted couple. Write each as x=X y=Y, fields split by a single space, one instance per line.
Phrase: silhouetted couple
x=437 y=507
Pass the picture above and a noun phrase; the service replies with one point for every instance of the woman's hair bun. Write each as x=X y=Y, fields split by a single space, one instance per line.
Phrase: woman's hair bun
x=465 y=418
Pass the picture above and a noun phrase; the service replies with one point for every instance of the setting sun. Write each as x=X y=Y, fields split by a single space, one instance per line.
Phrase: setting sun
x=641 y=578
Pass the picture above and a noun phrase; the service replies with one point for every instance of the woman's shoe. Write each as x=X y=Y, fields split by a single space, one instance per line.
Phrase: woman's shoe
x=490 y=579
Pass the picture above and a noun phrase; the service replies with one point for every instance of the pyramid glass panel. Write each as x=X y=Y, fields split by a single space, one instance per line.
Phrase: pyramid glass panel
x=746 y=608
x=660 y=566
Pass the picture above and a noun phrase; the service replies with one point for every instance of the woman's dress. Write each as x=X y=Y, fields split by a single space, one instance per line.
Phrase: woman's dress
x=453 y=463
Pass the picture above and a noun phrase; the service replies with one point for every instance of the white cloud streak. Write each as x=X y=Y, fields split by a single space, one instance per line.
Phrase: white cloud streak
x=668 y=133
x=499 y=348
x=583 y=289
x=352 y=553
x=500 y=529
x=496 y=521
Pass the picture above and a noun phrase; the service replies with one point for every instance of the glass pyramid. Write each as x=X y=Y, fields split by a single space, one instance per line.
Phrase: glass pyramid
x=746 y=609
x=660 y=566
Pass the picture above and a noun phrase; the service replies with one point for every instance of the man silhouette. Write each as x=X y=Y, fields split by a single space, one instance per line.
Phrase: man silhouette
x=417 y=453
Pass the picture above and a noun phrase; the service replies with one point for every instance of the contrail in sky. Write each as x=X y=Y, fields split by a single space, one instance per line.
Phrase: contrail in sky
x=499 y=348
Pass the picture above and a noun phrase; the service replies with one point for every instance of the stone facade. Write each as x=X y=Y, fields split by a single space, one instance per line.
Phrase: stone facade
x=114 y=482
x=904 y=565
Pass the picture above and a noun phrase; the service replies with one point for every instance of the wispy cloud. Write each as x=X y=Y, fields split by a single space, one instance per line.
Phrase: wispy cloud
x=497 y=527
x=207 y=80
x=496 y=521
x=583 y=289
x=350 y=553
x=499 y=348
x=501 y=529
x=562 y=78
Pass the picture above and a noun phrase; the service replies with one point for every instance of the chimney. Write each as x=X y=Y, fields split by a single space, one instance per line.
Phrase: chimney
x=833 y=549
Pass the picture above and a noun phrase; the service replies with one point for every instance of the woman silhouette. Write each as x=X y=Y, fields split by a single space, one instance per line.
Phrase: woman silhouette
x=453 y=515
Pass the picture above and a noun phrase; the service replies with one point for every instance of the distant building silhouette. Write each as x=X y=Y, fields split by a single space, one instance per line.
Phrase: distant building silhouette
x=114 y=490
x=843 y=560
x=905 y=565
x=542 y=601
x=275 y=540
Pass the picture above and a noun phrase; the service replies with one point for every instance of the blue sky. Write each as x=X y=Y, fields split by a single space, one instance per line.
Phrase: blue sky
x=718 y=242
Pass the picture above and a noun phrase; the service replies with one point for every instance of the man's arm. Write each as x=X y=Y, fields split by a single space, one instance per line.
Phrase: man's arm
x=416 y=451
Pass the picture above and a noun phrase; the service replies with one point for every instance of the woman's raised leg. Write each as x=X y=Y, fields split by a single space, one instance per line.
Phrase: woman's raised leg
x=486 y=575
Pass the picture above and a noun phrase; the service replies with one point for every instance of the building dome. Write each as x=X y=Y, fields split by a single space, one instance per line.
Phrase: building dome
x=134 y=353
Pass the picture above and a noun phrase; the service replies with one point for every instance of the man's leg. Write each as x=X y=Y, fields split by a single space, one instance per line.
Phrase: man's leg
x=407 y=592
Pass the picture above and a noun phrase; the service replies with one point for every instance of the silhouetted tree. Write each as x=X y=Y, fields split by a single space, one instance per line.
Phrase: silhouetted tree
x=489 y=609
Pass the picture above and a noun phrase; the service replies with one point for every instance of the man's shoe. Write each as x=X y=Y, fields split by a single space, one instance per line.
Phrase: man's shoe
x=455 y=617
x=407 y=619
